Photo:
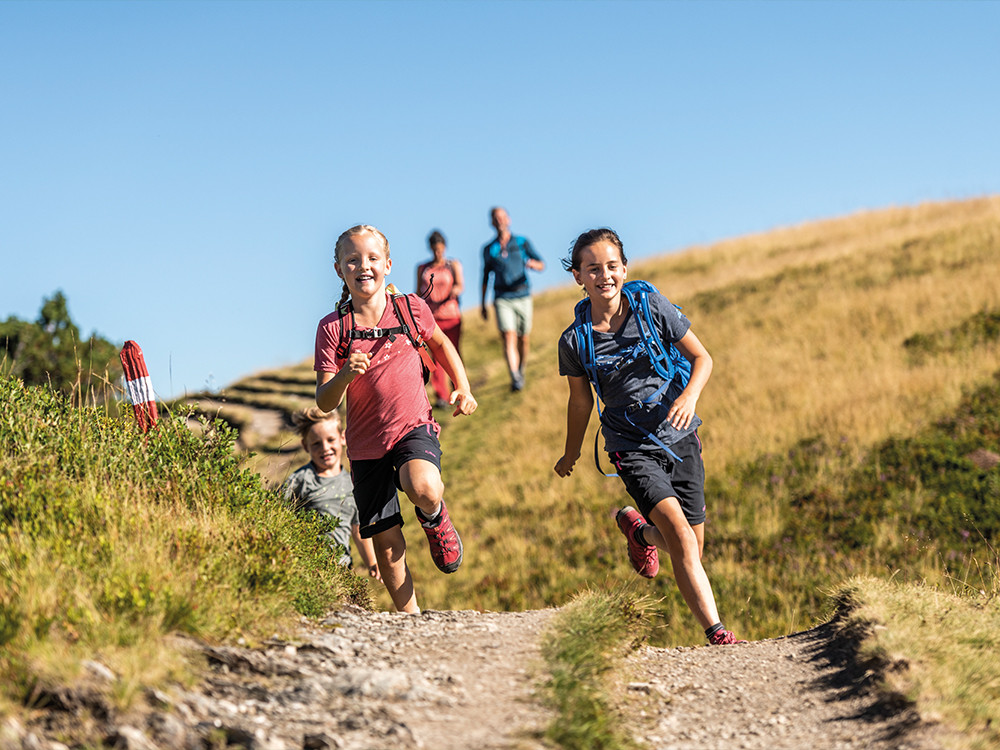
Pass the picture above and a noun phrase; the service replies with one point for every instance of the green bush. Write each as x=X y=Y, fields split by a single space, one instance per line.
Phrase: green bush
x=110 y=536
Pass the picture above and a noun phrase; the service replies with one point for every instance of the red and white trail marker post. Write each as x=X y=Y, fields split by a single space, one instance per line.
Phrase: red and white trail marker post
x=139 y=386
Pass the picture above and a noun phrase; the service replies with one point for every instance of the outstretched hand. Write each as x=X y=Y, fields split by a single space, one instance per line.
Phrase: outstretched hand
x=464 y=402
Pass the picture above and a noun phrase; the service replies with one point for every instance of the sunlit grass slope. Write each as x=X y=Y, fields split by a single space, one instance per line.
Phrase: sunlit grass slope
x=830 y=339
x=934 y=649
x=111 y=541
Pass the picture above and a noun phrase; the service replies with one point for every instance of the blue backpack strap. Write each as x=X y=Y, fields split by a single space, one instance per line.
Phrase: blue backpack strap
x=584 y=328
x=638 y=296
x=667 y=360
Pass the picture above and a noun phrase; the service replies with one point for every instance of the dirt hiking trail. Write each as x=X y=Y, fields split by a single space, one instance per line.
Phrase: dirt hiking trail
x=468 y=681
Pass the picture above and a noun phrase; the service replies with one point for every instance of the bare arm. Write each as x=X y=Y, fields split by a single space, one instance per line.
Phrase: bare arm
x=459 y=286
x=367 y=551
x=682 y=410
x=581 y=404
x=447 y=357
x=330 y=387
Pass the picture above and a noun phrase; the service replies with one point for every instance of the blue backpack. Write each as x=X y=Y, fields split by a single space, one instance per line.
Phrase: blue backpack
x=666 y=360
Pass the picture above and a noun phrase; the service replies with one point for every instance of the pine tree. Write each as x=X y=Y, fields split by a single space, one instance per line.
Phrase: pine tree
x=49 y=351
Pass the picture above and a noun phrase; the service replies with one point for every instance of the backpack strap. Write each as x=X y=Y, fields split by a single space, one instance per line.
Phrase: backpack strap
x=408 y=326
x=349 y=331
x=667 y=361
x=346 y=311
x=584 y=327
x=638 y=296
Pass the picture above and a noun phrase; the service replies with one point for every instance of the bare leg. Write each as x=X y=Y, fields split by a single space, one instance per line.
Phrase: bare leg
x=511 y=351
x=522 y=352
x=684 y=544
x=421 y=481
x=390 y=551
x=654 y=537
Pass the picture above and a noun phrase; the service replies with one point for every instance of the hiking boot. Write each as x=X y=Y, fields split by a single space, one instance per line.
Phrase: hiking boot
x=723 y=638
x=645 y=561
x=444 y=541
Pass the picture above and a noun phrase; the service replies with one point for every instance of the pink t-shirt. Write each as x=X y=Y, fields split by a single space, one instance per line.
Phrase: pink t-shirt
x=442 y=304
x=389 y=400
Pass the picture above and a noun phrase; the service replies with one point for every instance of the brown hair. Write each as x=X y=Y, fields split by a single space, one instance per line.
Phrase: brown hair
x=435 y=238
x=304 y=419
x=591 y=237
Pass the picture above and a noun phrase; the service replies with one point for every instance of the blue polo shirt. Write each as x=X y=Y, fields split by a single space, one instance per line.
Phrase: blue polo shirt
x=509 y=267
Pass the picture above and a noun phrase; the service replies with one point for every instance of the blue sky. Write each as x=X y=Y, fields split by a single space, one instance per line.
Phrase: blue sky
x=180 y=170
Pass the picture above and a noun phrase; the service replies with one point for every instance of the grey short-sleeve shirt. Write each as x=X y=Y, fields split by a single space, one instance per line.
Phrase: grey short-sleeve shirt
x=635 y=381
x=332 y=496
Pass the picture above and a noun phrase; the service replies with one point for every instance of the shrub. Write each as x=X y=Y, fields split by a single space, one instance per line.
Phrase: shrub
x=113 y=539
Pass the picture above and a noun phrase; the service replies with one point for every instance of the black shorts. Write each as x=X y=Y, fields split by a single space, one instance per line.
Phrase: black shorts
x=654 y=475
x=376 y=480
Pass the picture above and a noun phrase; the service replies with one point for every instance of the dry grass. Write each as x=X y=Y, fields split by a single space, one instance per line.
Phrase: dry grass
x=937 y=650
x=806 y=326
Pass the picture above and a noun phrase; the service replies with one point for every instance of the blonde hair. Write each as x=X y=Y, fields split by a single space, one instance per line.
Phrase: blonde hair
x=342 y=241
x=304 y=419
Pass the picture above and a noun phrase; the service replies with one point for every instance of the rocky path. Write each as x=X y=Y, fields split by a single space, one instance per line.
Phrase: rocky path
x=466 y=680
x=794 y=693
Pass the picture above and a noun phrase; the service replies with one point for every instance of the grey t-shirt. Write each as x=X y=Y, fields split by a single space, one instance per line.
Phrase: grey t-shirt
x=332 y=496
x=635 y=381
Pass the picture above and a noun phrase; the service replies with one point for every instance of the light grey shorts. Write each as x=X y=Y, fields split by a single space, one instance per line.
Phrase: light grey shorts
x=514 y=314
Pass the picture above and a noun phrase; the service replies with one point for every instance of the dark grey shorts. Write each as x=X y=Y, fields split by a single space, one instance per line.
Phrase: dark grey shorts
x=654 y=475
x=376 y=480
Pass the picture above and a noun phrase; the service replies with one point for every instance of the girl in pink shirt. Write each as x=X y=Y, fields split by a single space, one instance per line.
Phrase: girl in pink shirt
x=365 y=351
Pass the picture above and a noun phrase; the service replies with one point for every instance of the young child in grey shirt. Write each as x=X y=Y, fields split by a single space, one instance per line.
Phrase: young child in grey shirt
x=323 y=486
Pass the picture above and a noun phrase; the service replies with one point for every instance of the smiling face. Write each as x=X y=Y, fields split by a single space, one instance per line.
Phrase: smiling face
x=602 y=270
x=362 y=262
x=324 y=443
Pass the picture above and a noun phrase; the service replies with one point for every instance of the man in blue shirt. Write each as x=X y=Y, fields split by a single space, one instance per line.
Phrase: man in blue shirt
x=508 y=258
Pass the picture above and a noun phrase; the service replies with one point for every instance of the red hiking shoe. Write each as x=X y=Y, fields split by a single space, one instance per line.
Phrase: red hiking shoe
x=444 y=541
x=645 y=561
x=723 y=638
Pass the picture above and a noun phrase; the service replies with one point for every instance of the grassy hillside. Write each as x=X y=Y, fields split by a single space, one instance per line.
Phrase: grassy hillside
x=843 y=350
x=812 y=329
x=112 y=541
x=852 y=435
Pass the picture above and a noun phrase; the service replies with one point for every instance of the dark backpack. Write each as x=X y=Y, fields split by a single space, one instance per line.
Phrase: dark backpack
x=407 y=326
x=666 y=359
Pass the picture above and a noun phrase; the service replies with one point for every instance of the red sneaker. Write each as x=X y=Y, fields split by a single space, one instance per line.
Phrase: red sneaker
x=444 y=541
x=645 y=561
x=723 y=638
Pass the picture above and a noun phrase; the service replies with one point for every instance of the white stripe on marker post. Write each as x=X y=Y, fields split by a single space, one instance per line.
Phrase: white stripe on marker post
x=139 y=386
